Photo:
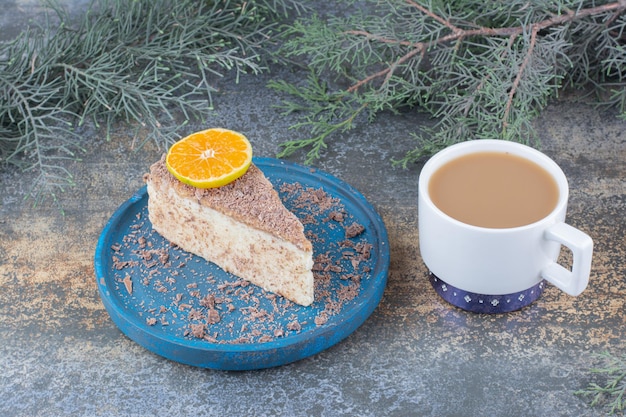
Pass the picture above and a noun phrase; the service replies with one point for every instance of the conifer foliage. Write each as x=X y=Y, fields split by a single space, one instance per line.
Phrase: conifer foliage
x=148 y=63
x=481 y=69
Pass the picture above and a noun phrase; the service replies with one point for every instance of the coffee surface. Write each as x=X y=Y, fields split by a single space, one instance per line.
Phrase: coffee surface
x=494 y=190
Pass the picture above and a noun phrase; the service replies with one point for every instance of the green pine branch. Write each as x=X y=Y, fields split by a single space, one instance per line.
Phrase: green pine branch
x=610 y=394
x=326 y=114
x=148 y=63
x=480 y=70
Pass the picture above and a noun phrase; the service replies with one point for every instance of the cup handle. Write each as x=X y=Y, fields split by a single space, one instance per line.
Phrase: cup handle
x=575 y=281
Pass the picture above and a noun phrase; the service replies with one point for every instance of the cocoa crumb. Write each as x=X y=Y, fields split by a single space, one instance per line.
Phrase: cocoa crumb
x=321 y=319
x=195 y=314
x=337 y=216
x=213 y=316
x=346 y=277
x=365 y=249
x=348 y=292
x=354 y=230
x=290 y=188
x=128 y=283
x=315 y=200
x=332 y=268
x=317 y=267
x=178 y=298
x=119 y=265
x=294 y=326
x=308 y=219
x=208 y=301
x=197 y=330
x=150 y=264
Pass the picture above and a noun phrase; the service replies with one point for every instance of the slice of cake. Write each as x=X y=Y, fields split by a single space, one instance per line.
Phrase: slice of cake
x=243 y=227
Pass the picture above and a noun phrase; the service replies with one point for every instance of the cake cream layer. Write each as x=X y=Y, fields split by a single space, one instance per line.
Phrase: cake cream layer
x=277 y=262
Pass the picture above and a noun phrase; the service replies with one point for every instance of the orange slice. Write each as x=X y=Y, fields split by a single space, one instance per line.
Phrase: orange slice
x=210 y=158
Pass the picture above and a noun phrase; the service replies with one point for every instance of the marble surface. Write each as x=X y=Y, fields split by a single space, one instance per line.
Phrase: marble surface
x=60 y=354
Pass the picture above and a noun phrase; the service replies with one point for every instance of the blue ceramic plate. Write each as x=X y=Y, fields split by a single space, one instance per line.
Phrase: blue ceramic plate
x=189 y=310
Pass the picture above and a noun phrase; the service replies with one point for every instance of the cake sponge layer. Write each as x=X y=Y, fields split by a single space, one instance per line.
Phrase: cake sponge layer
x=265 y=259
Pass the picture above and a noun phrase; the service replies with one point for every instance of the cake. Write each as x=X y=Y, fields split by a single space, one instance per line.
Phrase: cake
x=243 y=227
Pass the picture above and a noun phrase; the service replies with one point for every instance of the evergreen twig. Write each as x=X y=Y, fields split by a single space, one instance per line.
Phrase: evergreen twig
x=143 y=62
x=611 y=393
x=482 y=70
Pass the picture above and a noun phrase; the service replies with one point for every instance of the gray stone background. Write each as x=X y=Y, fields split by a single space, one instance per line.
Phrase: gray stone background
x=60 y=354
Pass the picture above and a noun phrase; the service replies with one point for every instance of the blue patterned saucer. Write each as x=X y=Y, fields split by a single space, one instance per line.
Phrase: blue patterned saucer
x=488 y=304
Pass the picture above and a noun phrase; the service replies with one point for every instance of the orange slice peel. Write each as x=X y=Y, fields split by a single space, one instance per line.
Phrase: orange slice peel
x=209 y=158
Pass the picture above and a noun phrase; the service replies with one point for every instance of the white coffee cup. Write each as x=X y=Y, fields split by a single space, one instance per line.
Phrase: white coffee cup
x=499 y=270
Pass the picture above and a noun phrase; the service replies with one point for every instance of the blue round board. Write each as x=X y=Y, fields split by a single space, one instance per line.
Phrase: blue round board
x=160 y=296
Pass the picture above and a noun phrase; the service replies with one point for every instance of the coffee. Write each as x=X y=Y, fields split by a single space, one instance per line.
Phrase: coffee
x=493 y=190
